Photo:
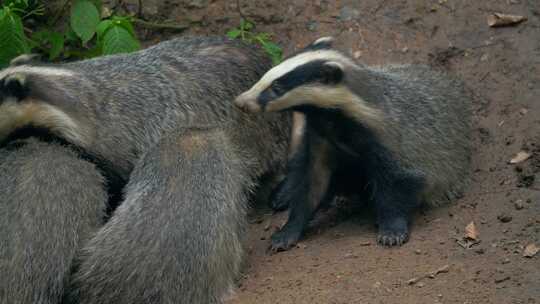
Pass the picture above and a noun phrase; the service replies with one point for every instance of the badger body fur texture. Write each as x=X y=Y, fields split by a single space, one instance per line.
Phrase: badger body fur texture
x=51 y=202
x=163 y=120
x=398 y=134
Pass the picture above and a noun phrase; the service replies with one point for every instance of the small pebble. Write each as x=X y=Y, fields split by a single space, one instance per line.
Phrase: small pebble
x=505 y=218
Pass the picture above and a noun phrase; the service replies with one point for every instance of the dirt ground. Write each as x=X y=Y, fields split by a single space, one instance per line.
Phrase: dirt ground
x=339 y=261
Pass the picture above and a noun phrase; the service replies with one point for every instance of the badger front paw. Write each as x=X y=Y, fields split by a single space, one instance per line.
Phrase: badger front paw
x=286 y=238
x=393 y=232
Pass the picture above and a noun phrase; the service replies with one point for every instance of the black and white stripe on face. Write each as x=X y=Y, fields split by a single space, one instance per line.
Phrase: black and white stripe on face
x=312 y=78
x=24 y=94
x=317 y=72
x=321 y=67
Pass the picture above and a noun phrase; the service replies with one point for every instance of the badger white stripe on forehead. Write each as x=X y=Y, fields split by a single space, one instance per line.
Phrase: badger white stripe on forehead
x=45 y=71
x=296 y=61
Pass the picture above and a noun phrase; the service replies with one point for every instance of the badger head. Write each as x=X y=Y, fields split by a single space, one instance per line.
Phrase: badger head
x=33 y=96
x=316 y=77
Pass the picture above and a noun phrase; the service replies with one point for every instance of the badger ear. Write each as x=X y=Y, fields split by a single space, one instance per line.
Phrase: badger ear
x=24 y=59
x=327 y=41
x=321 y=43
x=332 y=72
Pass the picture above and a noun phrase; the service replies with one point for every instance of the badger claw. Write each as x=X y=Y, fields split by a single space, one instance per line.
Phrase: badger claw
x=393 y=232
x=392 y=240
x=284 y=239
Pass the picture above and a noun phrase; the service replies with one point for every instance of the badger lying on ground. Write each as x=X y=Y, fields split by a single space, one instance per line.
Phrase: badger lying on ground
x=399 y=134
x=163 y=120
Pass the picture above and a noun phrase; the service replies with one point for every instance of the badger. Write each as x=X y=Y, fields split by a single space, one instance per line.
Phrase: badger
x=51 y=202
x=163 y=120
x=398 y=135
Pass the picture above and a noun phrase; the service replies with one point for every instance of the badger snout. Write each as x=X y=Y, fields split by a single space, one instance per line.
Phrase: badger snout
x=248 y=103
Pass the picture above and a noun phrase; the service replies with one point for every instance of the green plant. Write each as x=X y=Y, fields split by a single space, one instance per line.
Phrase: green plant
x=245 y=32
x=88 y=34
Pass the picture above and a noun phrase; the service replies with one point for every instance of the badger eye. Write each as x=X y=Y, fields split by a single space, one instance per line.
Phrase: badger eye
x=267 y=96
x=277 y=89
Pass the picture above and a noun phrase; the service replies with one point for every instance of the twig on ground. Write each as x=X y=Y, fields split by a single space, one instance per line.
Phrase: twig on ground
x=166 y=26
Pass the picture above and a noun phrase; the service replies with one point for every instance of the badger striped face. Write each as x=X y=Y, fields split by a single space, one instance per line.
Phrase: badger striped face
x=20 y=108
x=317 y=65
x=314 y=77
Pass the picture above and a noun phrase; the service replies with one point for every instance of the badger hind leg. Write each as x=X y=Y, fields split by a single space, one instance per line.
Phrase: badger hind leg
x=176 y=237
x=396 y=196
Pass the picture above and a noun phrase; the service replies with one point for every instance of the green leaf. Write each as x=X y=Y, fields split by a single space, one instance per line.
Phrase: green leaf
x=40 y=37
x=126 y=23
x=16 y=5
x=263 y=37
x=13 y=42
x=274 y=50
x=102 y=28
x=118 y=40
x=246 y=25
x=234 y=33
x=50 y=41
x=70 y=36
x=84 y=19
x=57 y=45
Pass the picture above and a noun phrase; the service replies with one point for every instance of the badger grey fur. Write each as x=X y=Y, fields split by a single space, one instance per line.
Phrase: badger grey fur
x=163 y=118
x=399 y=132
x=51 y=201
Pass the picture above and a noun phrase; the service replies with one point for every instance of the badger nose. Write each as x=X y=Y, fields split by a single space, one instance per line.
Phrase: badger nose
x=246 y=103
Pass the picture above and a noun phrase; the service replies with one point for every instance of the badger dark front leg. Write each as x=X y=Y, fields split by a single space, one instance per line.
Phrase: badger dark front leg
x=176 y=237
x=279 y=197
x=306 y=186
x=293 y=187
x=51 y=201
x=396 y=196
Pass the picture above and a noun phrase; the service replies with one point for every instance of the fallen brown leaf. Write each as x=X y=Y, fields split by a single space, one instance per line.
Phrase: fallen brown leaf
x=498 y=19
x=471 y=232
x=520 y=157
x=530 y=250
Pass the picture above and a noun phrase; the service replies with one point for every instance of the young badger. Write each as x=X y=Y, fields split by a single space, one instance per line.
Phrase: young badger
x=163 y=119
x=399 y=134
x=51 y=201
